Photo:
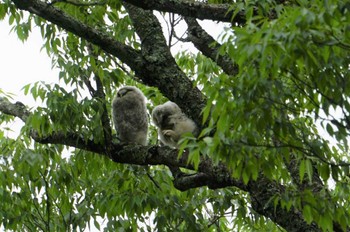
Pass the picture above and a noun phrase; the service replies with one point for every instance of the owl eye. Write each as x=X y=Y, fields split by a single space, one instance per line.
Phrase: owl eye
x=123 y=92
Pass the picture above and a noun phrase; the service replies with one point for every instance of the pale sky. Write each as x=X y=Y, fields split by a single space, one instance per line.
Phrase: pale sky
x=23 y=62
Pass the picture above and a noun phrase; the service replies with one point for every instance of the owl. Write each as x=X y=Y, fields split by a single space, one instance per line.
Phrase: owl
x=172 y=123
x=129 y=114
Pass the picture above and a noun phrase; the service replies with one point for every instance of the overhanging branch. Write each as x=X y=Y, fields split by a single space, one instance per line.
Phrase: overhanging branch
x=199 y=10
x=153 y=65
x=58 y=17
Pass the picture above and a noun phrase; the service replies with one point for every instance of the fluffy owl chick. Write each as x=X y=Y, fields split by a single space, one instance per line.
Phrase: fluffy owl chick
x=172 y=123
x=129 y=114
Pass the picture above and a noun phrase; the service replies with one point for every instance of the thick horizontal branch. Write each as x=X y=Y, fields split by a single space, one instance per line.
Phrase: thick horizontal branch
x=199 y=10
x=218 y=176
x=186 y=182
x=64 y=138
x=211 y=175
x=68 y=139
x=58 y=17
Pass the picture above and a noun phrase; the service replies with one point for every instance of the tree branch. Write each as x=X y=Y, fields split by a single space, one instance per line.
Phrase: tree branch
x=18 y=109
x=154 y=64
x=262 y=191
x=77 y=3
x=64 y=138
x=200 y=10
x=208 y=46
x=161 y=69
x=58 y=17
x=127 y=154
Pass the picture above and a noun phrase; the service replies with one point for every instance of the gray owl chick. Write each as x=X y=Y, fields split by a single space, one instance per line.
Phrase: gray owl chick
x=129 y=114
x=172 y=123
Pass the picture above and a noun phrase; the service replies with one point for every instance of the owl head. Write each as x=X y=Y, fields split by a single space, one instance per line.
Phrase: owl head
x=128 y=89
x=162 y=112
x=129 y=95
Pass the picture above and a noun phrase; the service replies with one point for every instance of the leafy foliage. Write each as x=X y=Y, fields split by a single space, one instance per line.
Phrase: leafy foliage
x=293 y=62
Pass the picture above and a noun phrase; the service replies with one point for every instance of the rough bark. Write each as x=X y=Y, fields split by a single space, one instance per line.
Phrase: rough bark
x=261 y=192
x=161 y=69
x=199 y=10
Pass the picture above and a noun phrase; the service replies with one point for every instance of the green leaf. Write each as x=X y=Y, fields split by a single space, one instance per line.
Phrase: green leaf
x=302 y=169
x=309 y=169
x=26 y=89
x=245 y=177
x=11 y=19
x=326 y=222
x=3 y=10
x=307 y=213
x=329 y=129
